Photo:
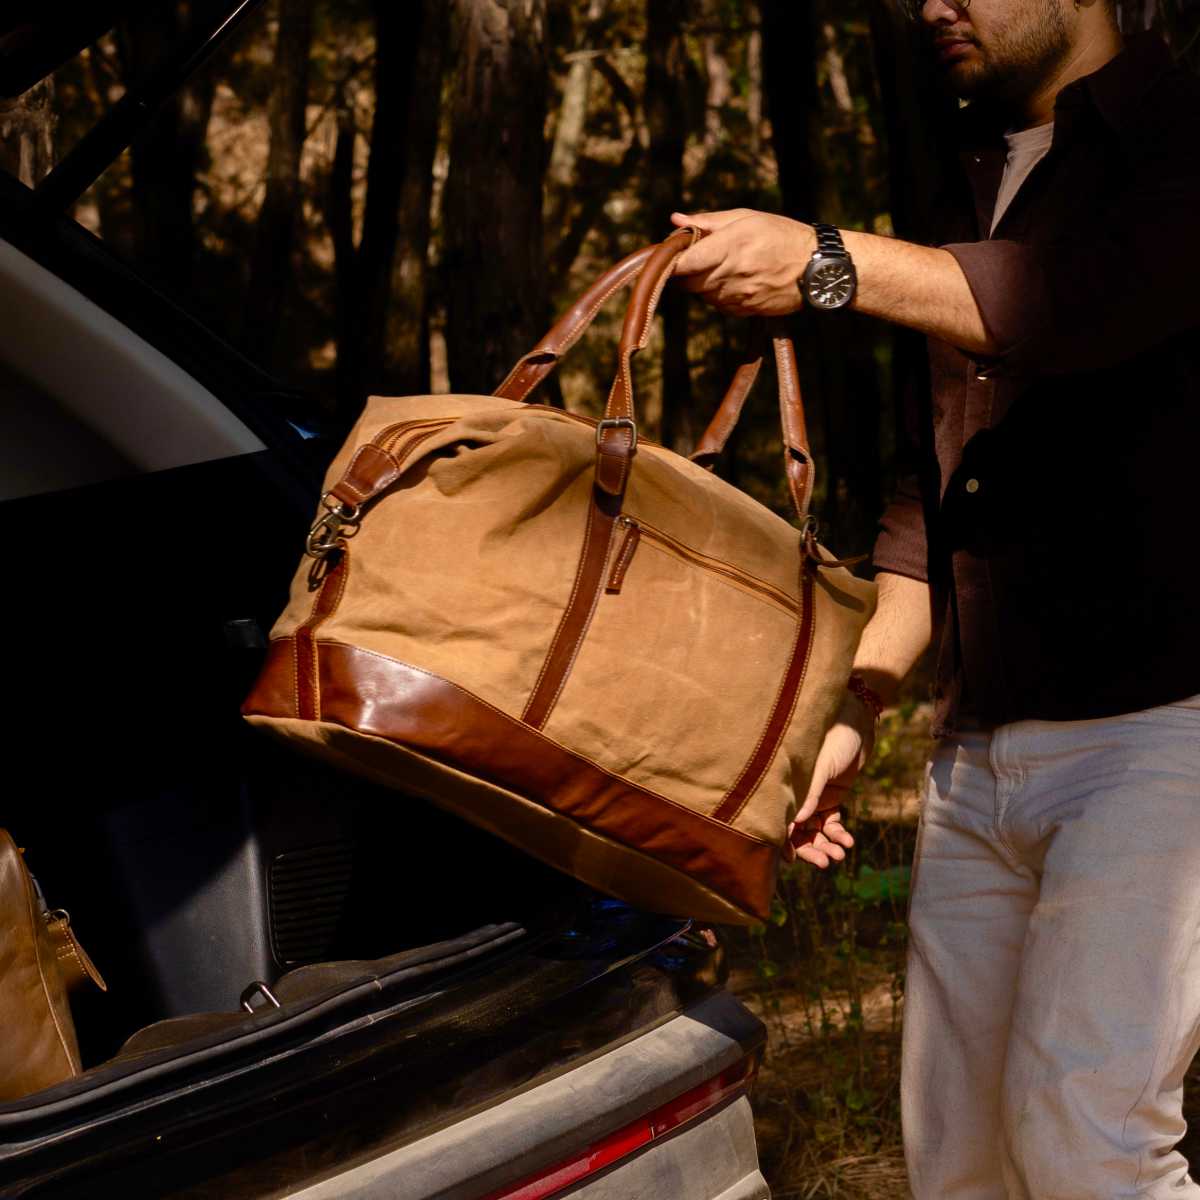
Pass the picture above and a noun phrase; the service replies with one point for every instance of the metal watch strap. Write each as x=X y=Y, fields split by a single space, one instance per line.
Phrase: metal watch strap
x=829 y=240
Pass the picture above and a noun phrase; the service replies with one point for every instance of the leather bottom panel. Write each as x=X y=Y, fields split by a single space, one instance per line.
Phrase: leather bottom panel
x=591 y=857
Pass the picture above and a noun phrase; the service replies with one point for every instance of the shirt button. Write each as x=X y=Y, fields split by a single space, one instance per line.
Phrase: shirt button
x=972 y=486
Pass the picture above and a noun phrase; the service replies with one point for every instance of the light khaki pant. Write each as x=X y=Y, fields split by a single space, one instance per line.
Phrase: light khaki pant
x=1052 y=1003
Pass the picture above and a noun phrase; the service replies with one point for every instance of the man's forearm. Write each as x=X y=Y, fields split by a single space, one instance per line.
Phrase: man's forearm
x=749 y=263
x=896 y=636
x=918 y=286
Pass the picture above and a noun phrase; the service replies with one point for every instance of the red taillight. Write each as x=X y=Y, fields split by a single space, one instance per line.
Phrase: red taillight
x=633 y=1136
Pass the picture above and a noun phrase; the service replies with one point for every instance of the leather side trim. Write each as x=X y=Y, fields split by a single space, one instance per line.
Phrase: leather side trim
x=577 y=616
x=307 y=678
x=385 y=698
x=781 y=712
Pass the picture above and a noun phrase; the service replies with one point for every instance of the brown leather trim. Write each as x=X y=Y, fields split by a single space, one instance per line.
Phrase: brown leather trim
x=567 y=330
x=306 y=677
x=724 y=422
x=797 y=456
x=384 y=698
x=577 y=616
x=370 y=471
x=781 y=711
x=629 y=545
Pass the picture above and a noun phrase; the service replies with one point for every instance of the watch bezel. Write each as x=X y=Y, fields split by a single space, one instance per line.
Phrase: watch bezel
x=820 y=260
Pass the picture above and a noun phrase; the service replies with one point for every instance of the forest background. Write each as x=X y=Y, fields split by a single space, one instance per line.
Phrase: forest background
x=397 y=196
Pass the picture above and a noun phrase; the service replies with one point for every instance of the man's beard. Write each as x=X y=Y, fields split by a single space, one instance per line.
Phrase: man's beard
x=1017 y=60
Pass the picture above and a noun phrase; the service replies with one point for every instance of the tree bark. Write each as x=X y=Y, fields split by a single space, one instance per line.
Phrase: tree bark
x=790 y=90
x=270 y=263
x=572 y=113
x=667 y=126
x=492 y=210
x=166 y=160
x=27 y=125
x=406 y=367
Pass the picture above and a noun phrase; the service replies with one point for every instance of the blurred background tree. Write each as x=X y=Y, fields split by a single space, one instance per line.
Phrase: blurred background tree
x=398 y=195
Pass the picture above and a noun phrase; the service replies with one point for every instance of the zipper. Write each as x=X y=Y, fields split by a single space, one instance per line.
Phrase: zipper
x=389 y=436
x=637 y=530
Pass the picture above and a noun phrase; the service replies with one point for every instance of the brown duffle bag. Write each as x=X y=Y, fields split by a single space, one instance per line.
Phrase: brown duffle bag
x=40 y=964
x=583 y=642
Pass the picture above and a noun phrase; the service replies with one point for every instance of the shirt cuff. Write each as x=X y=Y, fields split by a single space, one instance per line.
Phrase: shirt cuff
x=902 y=548
x=1010 y=289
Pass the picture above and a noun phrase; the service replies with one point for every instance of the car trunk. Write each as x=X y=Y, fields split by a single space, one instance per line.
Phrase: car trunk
x=423 y=970
x=207 y=870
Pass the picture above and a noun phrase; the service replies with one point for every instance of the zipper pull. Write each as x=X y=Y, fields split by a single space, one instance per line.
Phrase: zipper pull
x=629 y=545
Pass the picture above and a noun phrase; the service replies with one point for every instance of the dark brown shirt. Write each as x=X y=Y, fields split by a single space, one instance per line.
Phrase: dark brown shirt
x=1055 y=507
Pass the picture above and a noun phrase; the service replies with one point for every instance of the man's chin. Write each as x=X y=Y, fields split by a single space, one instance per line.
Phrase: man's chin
x=965 y=79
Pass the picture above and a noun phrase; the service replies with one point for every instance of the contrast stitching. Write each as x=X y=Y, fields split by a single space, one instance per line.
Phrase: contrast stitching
x=791 y=607
x=583 y=629
x=806 y=614
x=558 y=633
x=783 y=728
x=37 y=958
x=714 y=559
x=549 y=741
x=296 y=671
x=762 y=737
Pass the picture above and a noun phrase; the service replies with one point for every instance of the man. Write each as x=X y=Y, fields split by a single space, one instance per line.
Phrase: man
x=1053 y=996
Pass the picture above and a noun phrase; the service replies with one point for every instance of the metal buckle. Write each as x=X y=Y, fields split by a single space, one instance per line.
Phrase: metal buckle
x=618 y=423
x=330 y=527
x=258 y=988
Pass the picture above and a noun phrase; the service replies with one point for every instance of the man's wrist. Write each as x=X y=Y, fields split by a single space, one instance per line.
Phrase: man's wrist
x=866 y=695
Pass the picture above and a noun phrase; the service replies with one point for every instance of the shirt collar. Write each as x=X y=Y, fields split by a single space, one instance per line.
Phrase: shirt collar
x=1117 y=92
x=1119 y=89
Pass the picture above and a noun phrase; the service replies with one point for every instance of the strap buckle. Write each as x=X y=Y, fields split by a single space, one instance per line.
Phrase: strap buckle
x=330 y=527
x=618 y=423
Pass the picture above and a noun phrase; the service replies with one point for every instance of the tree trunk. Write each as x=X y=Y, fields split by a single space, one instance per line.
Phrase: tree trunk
x=166 y=159
x=366 y=280
x=666 y=123
x=719 y=91
x=917 y=116
x=572 y=113
x=270 y=264
x=27 y=133
x=492 y=211
x=406 y=367
x=339 y=215
x=754 y=92
x=790 y=87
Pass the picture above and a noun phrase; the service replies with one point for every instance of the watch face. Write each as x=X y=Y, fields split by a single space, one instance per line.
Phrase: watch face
x=829 y=284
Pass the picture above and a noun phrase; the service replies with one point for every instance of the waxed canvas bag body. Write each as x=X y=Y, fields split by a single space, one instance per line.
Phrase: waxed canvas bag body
x=583 y=642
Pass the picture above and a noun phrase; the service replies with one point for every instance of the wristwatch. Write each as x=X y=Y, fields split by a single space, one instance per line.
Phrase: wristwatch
x=829 y=281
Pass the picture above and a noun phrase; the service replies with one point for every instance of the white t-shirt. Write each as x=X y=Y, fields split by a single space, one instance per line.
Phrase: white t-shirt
x=1026 y=148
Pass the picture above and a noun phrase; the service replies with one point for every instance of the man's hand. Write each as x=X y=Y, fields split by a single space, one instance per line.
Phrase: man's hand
x=748 y=263
x=817 y=835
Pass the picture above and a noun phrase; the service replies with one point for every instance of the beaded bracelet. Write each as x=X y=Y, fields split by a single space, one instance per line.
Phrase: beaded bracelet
x=867 y=694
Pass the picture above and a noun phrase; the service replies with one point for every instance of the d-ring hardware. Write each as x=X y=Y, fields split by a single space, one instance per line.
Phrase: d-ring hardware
x=258 y=988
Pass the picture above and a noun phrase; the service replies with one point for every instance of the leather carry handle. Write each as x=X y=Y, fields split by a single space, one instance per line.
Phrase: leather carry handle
x=616 y=435
x=570 y=327
x=713 y=440
x=533 y=368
